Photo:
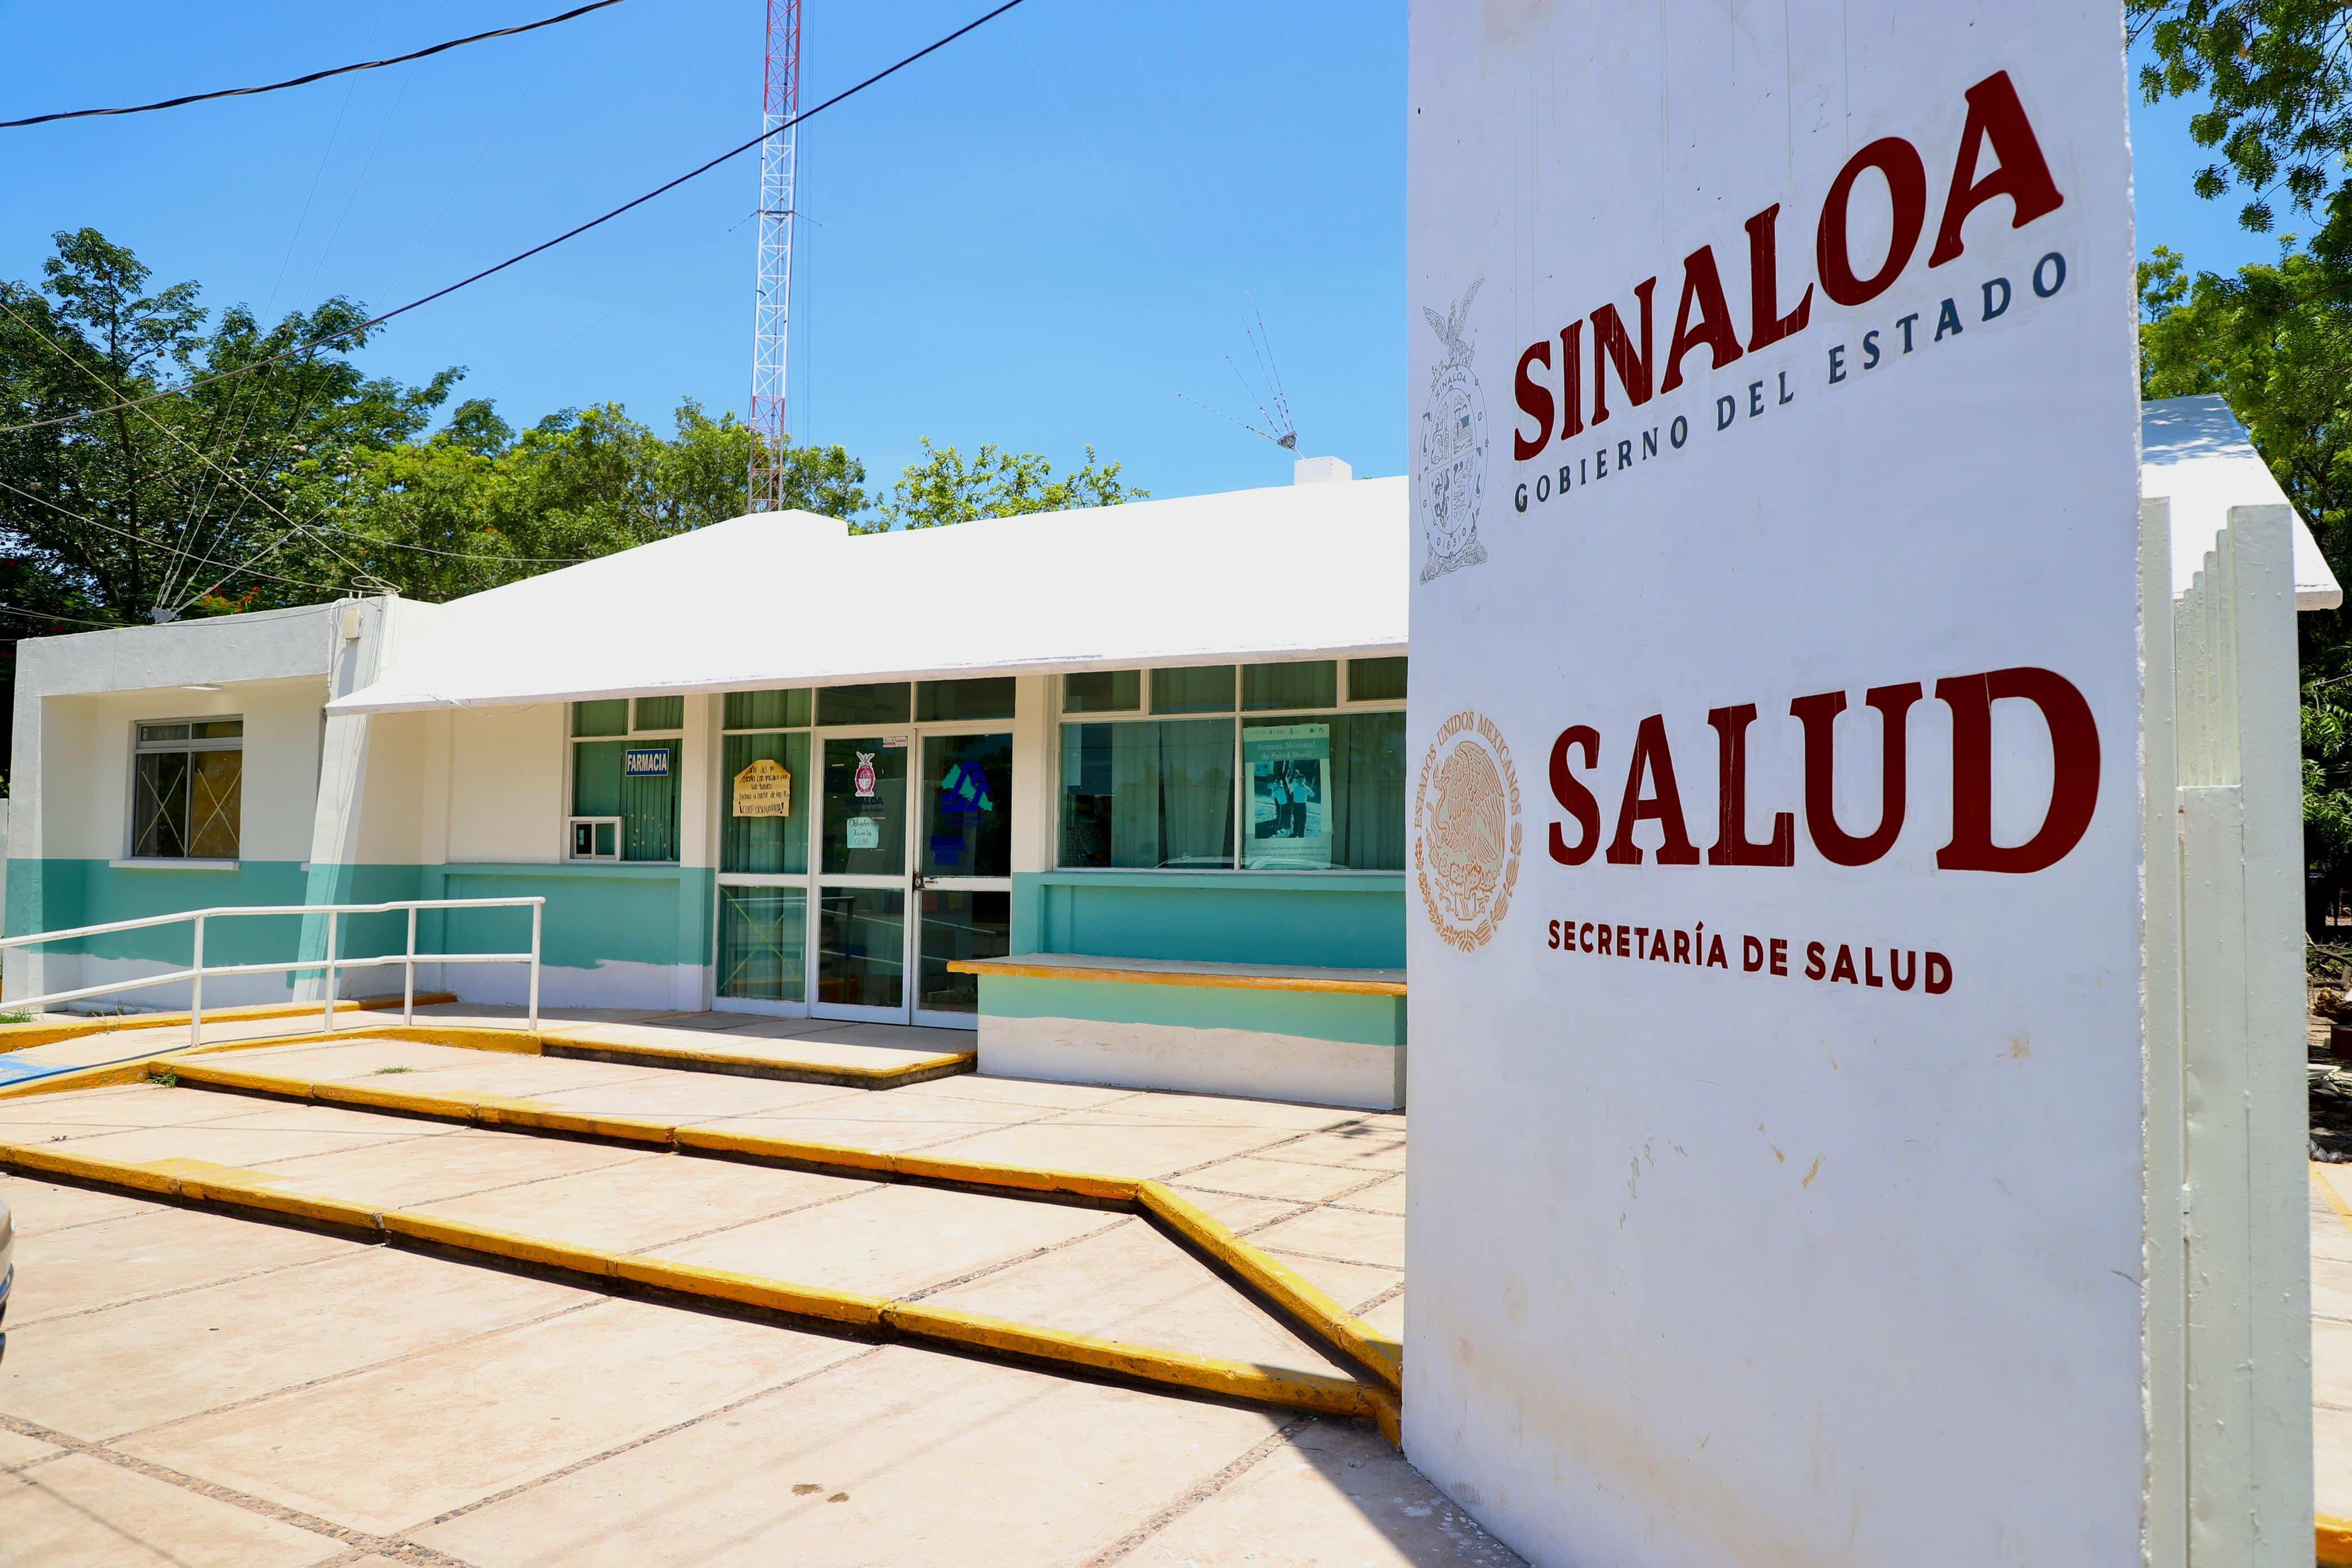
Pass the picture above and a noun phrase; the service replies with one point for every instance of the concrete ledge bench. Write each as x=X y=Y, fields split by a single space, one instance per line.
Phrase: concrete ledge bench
x=1265 y=1032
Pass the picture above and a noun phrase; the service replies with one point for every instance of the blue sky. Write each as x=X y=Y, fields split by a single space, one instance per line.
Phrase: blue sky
x=1039 y=237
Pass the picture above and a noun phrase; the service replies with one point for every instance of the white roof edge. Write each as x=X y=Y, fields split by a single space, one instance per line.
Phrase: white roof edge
x=2197 y=456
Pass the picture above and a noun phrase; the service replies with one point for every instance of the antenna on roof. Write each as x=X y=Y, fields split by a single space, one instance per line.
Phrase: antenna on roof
x=1272 y=402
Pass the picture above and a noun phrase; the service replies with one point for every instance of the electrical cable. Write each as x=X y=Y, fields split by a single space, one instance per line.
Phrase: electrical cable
x=46 y=615
x=366 y=580
x=306 y=80
x=204 y=560
x=630 y=206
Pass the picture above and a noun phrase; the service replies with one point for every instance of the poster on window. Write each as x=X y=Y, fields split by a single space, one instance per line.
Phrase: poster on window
x=1289 y=771
x=764 y=789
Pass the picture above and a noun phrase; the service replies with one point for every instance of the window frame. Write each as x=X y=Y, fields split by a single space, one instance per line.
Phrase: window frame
x=571 y=745
x=803 y=788
x=186 y=746
x=1144 y=713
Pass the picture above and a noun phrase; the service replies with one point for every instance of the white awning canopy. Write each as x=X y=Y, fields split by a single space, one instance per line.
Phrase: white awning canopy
x=2193 y=451
x=788 y=598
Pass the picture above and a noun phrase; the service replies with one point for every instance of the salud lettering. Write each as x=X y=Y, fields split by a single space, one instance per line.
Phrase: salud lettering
x=1651 y=793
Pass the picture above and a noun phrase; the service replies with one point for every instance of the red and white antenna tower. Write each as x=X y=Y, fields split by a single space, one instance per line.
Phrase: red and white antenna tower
x=771 y=316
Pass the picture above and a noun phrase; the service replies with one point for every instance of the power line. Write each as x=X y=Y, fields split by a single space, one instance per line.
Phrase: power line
x=365 y=579
x=458 y=554
x=664 y=189
x=168 y=549
x=306 y=80
x=46 y=615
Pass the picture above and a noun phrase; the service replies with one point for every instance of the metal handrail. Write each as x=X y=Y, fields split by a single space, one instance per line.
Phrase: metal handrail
x=333 y=963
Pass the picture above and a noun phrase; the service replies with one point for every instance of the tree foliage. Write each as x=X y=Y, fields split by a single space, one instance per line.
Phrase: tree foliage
x=116 y=515
x=942 y=487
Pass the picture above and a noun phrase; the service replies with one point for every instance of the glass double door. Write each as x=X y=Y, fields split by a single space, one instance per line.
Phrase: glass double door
x=914 y=869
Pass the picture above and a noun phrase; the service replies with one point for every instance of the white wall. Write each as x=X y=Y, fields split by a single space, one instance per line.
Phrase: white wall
x=506 y=802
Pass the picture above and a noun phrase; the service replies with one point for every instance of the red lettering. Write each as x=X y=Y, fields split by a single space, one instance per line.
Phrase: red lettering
x=1906 y=183
x=1779 y=956
x=2074 y=772
x=1819 y=715
x=1652 y=759
x=1904 y=979
x=1535 y=401
x=1573 y=797
x=1843 y=969
x=2021 y=173
x=1766 y=326
x=1939 y=974
x=1702 y=287
x=1572 y=379
x=1611 y=346
x=1815 y=964
x=1731 y=845
x=1751 y=955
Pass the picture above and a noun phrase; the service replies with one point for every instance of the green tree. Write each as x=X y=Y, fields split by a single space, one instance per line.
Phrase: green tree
x=131 y=511
x=476 y=505
x=2272 y=82
x=941 y=488
x=2276 y=341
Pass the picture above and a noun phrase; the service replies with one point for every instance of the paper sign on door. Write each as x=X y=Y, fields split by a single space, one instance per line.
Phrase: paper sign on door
x=764 y=789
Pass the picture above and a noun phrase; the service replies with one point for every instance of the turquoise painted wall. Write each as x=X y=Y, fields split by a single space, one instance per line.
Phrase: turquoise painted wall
x=1314 y=1015
x=646 y=915
x=1337 y=920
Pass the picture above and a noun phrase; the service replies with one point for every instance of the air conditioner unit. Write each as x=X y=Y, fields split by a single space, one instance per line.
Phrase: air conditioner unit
x=595 y=838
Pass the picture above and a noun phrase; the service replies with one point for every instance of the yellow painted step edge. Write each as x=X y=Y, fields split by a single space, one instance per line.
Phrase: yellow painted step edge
x=1341 y=1328
x=1303 y=1391
x=2335 y=1541
x=25 y=1036
x=81 y=1078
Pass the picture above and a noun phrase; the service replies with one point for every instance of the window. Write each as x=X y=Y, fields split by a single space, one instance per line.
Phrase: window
x=990 y=697
x=1209 y=689
x=763 y=821
x=1153 y=793
x=625 y=779
x=188 y=779
x=1103 y=691
x=1312 y=780
x=1376 y=680
x=887 y=703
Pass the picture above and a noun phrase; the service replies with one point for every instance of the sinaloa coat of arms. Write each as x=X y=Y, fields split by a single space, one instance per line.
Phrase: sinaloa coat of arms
x=1453 y=474
x=1467 y=830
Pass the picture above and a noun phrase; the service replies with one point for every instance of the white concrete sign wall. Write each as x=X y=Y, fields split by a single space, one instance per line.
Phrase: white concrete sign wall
x=1775 y=996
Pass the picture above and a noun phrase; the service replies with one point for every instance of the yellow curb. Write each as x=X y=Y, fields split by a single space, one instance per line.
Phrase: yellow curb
x=2327 y=1190
x=521 y=1043
x=235 y=1188
x=834 y=1156
x=1016 y=1178
x=2335 y=1541
x=846 y=1077
x=25 y=1036
x=1299 y=1390
x=1388 y=1415
x=206 y=1170
x=753 y=1290
x=80 y=1078
x=1289 y=1291
x=1341 y=1329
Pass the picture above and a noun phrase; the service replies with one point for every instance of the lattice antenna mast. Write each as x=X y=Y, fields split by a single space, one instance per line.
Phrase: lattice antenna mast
x=780 y=101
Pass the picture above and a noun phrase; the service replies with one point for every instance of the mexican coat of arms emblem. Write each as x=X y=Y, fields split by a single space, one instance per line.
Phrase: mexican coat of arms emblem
x=1467 y=830
x=1453 y=474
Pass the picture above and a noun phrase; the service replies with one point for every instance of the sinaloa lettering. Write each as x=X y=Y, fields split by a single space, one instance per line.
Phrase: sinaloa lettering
x=1997 y=156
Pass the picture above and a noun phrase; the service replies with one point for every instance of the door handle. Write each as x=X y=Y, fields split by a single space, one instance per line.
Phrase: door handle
x=919 y=882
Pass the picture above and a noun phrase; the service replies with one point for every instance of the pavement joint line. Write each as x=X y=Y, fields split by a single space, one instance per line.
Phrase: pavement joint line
x=1200 y=1492
x=858 y=1353
x=1390 y=1294
x=326 y=1379
x=165 y=1295
x=359 y=1540
x=908 y=1319
x=859 y=1191
x=1002 y=1264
